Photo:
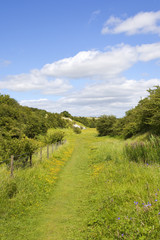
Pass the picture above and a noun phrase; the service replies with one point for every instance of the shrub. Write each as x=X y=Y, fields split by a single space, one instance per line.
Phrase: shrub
x=54 y=136
x=105 y=125
x=77 y=130
x=17 y=147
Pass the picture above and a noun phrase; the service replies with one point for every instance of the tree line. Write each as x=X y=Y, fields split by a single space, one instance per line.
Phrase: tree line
x=20 y=126
x=87 y=121
x=145 y=117
x=24 y=129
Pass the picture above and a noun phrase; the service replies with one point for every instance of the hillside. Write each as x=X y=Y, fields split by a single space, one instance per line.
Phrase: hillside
x=21 y=126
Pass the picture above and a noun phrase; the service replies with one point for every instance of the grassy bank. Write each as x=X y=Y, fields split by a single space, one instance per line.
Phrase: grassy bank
x=25 y=195
x=126 y=200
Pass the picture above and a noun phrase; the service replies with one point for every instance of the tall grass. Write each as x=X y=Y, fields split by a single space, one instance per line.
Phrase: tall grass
x=147 y=151
x=126 y=196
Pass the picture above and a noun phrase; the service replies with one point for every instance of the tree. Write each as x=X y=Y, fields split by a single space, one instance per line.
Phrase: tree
x=66 y=114
x=105 y=125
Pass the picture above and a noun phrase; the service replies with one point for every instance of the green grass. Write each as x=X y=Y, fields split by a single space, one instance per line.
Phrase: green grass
x=146 y=151
x=25 y=195
x=88 y=190
x=123 y=191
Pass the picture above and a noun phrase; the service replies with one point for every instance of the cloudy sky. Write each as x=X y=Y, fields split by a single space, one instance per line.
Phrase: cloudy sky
x=89 y=57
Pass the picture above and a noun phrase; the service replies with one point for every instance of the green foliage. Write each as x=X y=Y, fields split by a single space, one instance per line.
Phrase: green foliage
x=5 y=99
x=77 y=130
x=144 y=152
x=105 y=125
x=17 y=147
x=86 y=121
x=145 y=116
x=11 y=188
x=27 y=193
x=125 y=200
x=114 y=198
x=16 y=120
x=141 y=119
x=20 y=125
x=66 y=114
x=54 y=136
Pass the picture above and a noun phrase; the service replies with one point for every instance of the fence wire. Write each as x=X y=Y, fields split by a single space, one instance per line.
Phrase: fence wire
x=4 y=161
x=27 y=155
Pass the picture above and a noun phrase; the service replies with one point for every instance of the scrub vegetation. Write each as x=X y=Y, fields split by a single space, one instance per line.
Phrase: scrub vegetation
x=144 y=118
x=99 y=185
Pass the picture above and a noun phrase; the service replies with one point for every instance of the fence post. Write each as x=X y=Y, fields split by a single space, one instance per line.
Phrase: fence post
x=12 y=160
x=52 y=147
x=48 y=151
x=41 y=153
x=30 y=160
x=56 y=145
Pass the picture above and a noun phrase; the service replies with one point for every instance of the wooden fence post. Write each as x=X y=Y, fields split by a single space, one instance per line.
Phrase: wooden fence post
x=56 y=145
x=41 y=153
x=30 y=160
x=48 y=151
x=12 y=160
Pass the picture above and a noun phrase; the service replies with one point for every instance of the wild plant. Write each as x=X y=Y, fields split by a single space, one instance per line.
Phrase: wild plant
x=144 y=151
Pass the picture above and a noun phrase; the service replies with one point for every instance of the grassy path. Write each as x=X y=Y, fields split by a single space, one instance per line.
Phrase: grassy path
x=65 y=217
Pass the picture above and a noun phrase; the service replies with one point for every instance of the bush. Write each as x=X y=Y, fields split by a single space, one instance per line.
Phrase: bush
x=17 y=147
x=105 y=125
x=54 y=136
x=77 y=130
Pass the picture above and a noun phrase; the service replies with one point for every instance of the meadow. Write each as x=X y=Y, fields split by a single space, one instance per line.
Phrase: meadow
x=89 y=189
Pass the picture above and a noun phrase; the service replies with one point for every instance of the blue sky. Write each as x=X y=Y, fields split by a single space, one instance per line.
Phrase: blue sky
x=89 y=57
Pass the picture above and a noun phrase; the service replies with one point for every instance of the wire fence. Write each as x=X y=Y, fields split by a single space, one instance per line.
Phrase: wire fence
x=26 y=159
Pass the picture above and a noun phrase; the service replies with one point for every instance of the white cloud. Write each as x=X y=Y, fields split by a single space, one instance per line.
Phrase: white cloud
x=94 y=15
x=141 y=23
x=94 y=65
x=109 y=93
x=102 y=65
x=42 y=100
x=148 y=52
x=38 y=103
x=114 y=97
x=35 y=81
x=45 y=104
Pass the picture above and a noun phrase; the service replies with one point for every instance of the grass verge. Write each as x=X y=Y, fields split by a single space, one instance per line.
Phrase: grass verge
x=26 y=194
x=126 y=200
